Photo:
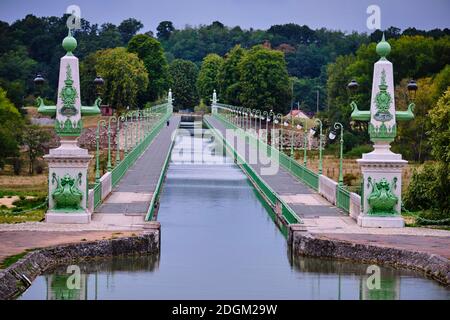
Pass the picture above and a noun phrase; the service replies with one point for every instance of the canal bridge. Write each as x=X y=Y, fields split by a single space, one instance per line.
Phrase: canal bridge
x=129 y=192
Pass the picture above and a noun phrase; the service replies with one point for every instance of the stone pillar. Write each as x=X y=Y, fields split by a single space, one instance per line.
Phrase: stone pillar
x=68 y=164
x=170 y=100
x=381 y=168
x=214 y=103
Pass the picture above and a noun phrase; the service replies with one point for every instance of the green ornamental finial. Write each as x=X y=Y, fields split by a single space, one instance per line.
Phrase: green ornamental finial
x=69 y=43
x=383 y=48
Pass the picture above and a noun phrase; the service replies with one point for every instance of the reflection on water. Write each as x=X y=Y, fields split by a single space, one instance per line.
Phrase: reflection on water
x=219 y=242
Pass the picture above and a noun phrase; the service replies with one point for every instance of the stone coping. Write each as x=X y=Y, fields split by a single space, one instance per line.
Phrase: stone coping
x=432 y=266
x=15 y=279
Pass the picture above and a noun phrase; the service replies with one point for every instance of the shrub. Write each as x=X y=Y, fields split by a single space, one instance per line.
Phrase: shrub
x=348 y=178
x=357 y=151
x=428 y=189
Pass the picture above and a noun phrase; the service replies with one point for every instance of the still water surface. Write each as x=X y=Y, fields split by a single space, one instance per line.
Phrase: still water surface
x=219 y=242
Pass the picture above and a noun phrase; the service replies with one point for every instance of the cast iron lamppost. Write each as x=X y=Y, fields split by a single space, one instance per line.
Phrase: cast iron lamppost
x=332 y=136
x=305 y=140
x=97 y=152
x=319 y=122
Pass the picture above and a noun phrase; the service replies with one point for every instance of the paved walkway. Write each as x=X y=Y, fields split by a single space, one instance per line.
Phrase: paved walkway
x=303 y=200
x=129 y=201
x=324 y=220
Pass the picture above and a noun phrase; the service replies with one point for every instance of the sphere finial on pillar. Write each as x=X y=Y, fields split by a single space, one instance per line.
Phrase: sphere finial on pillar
x=69 y=43
x=383 y=48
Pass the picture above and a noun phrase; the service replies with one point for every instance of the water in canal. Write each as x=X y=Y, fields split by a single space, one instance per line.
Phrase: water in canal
x=220 y=242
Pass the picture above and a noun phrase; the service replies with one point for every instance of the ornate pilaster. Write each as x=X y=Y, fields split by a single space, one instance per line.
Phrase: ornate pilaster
x=381 y=168
x=68 y=164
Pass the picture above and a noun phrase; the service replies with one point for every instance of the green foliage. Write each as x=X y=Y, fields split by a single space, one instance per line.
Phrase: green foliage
x=151 y=53
x=202 y=108
x=10 y=128
x=16 y=68
x=124 y=74
x=128 y=28
x=413 y=57
x=230 y=76
x=305 y=94
x=36 y=140
x=264 y=80
x=358 y=151
x=208 y=77
x=412 y=141
x=164 y=30
x=440 y=129
x=182 y=79
x=428 y=189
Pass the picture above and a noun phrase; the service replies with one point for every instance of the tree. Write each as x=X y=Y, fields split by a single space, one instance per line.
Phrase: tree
x=208 y=77
x=230 y=76
x=16 y=71
x=128 y=28
x=440 y=129
x=150 y=51
x=183 y=78
x=164 y=30
x=264 y=80
x=10 y=128
x=124 y=74
x=36 y=140
x=428 y=188
x=412 y=140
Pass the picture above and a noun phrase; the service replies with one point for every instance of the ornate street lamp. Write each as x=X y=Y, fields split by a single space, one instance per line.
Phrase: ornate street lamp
x=114 y=119
x=265 y=116
x=412 y=88
x=314 y=130
x=97 y=152
x=353 y=85
x=332 y=136
x=305 y=139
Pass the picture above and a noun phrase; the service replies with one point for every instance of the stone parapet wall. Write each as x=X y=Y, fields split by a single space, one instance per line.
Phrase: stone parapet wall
x=431 y=265
x=18 y=277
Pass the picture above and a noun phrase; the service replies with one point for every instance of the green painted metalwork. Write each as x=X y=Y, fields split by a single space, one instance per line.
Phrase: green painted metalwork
x=152 y=208
x=302 y=173
x=97 y=151
x=97 y=195
x=67 y=196
x=114 y=119
x=134 y=152
x=68 y=95
x=68 y=128
x=383 y=101
x=337 y=126
x=382 y=132
x=382 y=200
x=269 y=195
x=320 y=145
x=343 y=198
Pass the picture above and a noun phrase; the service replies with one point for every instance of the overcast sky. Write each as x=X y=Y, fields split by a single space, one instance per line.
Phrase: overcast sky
x=345 y=15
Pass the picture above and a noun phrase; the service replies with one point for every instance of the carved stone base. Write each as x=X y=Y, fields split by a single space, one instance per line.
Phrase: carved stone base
x=380 y=222
x=68 y=218
x=69 y=163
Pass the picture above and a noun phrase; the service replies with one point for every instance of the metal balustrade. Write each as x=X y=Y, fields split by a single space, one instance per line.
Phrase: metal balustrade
x=139 y=132
x=232 y=118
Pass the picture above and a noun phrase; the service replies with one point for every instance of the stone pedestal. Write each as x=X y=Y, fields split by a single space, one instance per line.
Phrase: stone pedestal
x=382 y=174
x=68 y=184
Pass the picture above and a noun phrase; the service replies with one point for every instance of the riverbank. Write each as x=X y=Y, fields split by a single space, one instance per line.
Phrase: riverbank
x=398 y=251
x=16 y=278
